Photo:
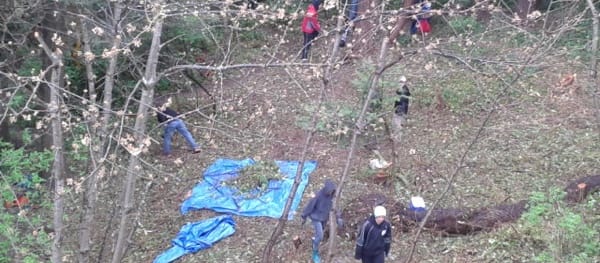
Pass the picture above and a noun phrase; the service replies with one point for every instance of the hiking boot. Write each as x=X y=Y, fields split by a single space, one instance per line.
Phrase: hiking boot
x=315 y=256
x=197 y=150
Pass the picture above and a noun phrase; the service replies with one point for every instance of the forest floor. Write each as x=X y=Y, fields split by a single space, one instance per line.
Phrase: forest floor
x=531 y=142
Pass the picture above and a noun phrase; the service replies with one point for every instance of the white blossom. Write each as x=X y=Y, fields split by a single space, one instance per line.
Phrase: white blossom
x=89 y=56
x=98 y=31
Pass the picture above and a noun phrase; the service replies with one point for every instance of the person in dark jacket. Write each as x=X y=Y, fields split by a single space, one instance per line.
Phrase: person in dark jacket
x=352 y=15
x=310 y=27
x=374 y=238
x=423 y=22
x=401 y=103
x=318 y=209
x=173 y=123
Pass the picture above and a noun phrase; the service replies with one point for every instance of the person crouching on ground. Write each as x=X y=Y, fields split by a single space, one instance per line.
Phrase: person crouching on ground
x=318 y=209
x=310 y=27
x=374 y=238
x=173 y=123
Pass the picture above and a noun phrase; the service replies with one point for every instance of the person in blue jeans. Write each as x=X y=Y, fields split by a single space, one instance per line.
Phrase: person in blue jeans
x=173 y=124
x=318 y=209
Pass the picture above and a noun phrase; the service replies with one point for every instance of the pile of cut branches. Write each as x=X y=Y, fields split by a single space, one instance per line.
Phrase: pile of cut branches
x=254 y=179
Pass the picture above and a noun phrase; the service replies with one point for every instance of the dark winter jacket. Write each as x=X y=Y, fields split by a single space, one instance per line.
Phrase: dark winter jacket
x=166 y=115
x=319 y=206
x=373 y=239
x=401 y=104
x=310 y=23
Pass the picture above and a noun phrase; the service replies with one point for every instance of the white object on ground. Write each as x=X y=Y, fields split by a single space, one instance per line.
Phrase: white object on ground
x=379 y=164
x=417 y=202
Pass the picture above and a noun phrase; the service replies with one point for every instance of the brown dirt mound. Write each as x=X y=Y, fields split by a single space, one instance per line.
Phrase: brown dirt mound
x=358 y=210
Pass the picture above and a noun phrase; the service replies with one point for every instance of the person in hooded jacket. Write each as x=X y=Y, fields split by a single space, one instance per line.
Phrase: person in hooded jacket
x=318 y=209
x=400 y=109
x=310 y=27
x=374 y=238
x=401 y=103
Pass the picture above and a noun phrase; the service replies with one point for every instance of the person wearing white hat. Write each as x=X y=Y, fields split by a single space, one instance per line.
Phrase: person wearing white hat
x=374 y=238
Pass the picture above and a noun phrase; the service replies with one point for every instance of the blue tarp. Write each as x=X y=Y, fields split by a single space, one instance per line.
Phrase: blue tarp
x=197 y=236
x=211 y=194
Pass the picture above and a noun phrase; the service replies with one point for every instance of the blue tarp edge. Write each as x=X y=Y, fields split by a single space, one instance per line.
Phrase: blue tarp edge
x=197 y=236
x=210 y=194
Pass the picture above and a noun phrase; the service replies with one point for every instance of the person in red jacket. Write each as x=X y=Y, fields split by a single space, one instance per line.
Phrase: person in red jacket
x=310 y=27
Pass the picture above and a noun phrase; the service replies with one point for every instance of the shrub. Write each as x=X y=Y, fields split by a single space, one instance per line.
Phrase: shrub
x=20 y=235
x=465 y=24
x=562 y=232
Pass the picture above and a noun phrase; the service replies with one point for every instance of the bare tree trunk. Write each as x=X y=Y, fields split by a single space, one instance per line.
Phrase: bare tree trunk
x=58 y=166
x=109 y=82
x=90 y=195
x=134 y=168
x=357 y=130
x=98 y=128
x=595 y=24
x=266 y=257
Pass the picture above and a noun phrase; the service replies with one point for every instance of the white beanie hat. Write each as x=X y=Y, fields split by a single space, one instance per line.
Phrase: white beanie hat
x=379 y=211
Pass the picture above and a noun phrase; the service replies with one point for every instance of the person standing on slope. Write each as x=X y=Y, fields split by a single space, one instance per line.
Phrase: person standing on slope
x=310 y=27
x=374 y=238
x=173 y=123
x=318 y=209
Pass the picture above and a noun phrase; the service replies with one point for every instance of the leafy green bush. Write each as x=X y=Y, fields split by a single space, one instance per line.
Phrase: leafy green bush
x=336 y=118
x=192 y=38
x=30 y=67
x=20 y=229
x=381 y=103
x=562 y=232
x=461 y=94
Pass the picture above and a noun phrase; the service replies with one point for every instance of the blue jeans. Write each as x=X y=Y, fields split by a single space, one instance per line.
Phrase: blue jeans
x=179 y=126
x=318 y=226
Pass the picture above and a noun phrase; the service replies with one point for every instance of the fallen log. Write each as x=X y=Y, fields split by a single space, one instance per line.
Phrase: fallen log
x=578 y=189
x=455 y=221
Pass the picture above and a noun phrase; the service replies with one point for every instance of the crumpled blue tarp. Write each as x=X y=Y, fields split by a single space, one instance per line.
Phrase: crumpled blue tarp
x=197 y=236
x=210 y=194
